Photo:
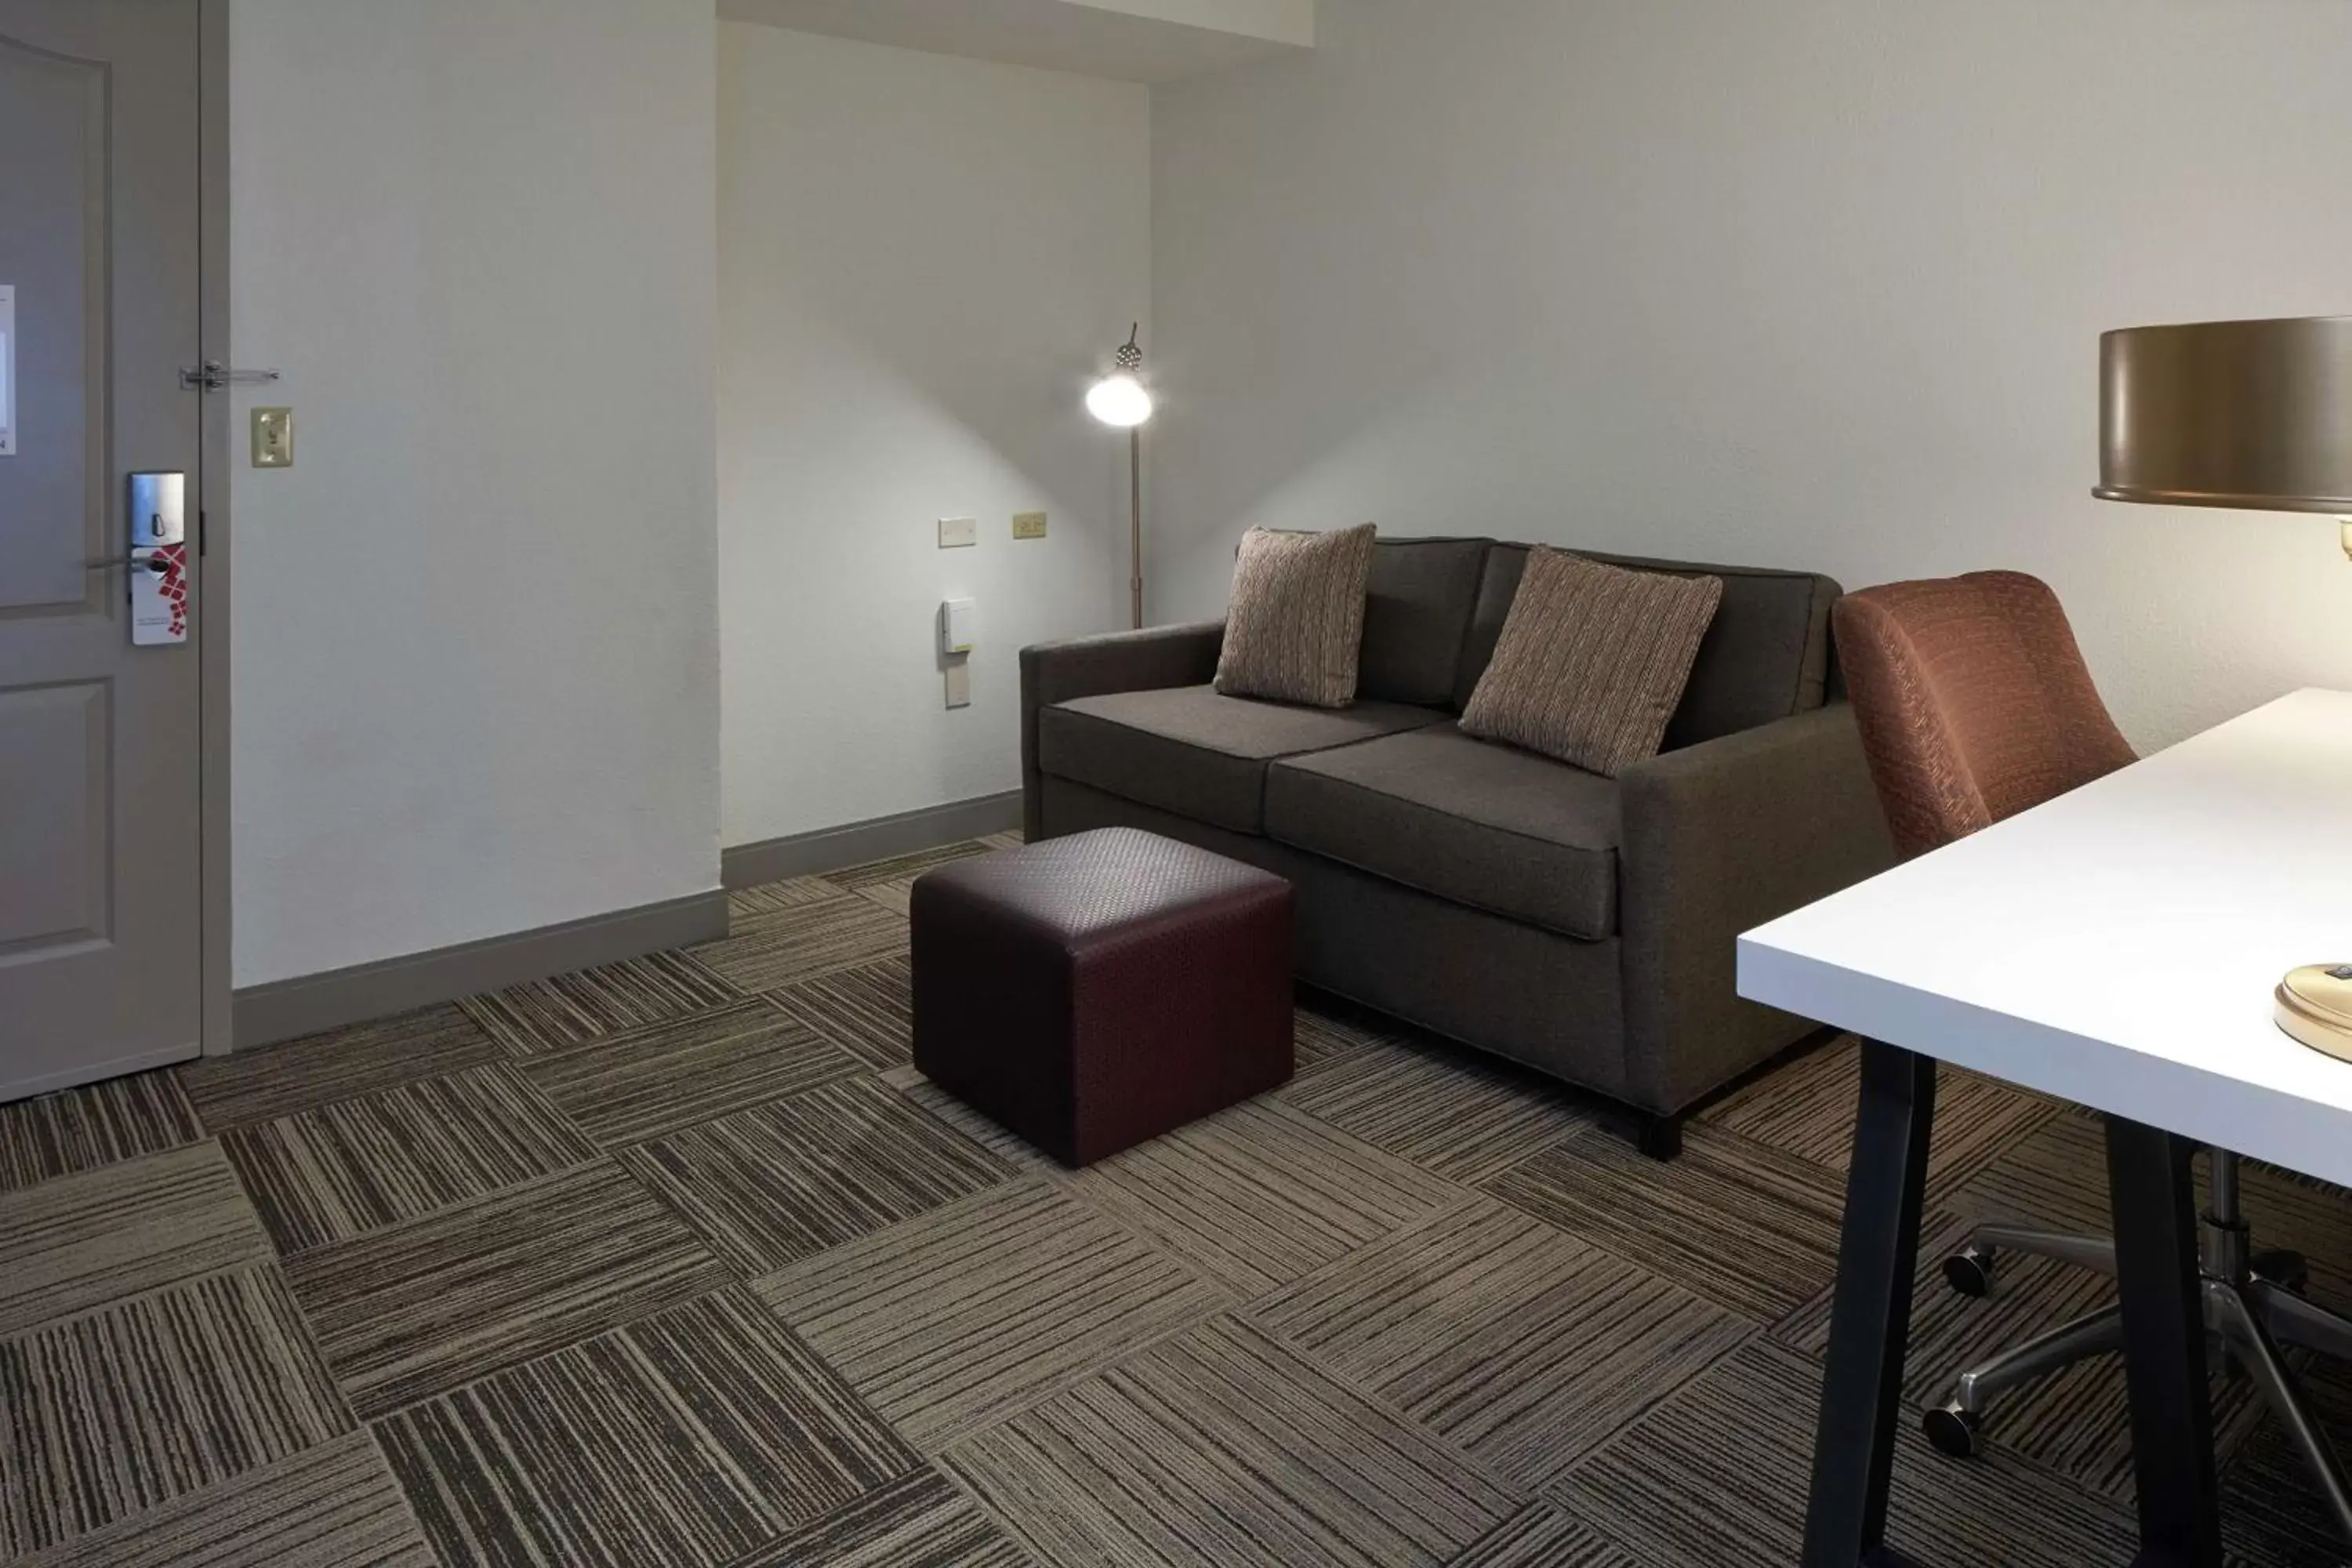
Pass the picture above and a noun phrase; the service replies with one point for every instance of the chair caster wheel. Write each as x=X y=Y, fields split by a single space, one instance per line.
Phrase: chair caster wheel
x=2283 y=1267
x=1969 y=1270
x=1955 y=1431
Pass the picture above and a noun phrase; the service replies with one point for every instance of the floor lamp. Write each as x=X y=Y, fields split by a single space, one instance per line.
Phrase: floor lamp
x=1121 y=401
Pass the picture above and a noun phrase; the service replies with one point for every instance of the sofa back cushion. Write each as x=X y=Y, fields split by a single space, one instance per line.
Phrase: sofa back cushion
x=1417 y=607
x=1765 y=657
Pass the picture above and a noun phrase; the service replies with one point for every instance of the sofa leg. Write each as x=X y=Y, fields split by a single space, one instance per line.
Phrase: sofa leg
x=1660 y=1137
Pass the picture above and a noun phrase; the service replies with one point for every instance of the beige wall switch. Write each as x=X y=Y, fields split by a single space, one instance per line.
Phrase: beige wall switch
x=273 y=437
x=959 y=674
x=1028 y=525
x=955 y=533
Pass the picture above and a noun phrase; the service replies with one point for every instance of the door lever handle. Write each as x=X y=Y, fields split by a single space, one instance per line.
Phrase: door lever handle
x=154 y=563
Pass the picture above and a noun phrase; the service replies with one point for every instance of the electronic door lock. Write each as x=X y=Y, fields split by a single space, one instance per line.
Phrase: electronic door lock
x=156 y=561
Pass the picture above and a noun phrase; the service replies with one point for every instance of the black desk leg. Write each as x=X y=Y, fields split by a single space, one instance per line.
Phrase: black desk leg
x=2164 y=1346
x=1853 y=1450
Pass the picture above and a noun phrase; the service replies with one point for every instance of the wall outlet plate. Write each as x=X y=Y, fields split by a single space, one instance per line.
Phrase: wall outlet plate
x=1028 y=525
x=955 y=533
x=273 y=437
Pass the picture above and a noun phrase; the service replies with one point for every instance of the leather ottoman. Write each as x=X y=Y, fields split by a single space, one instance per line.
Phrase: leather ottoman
x=1091 y=992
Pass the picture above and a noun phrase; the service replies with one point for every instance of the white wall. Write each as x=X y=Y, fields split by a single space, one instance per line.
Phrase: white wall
x=1813 y=283
x=475 y=652
x=922 y=262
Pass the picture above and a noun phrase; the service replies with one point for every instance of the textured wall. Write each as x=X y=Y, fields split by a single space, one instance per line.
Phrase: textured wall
x=475 y=629
x=1813 y=283
x=923 y=260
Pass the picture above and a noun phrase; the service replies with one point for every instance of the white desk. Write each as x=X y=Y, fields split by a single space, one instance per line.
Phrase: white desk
x=2116 y=947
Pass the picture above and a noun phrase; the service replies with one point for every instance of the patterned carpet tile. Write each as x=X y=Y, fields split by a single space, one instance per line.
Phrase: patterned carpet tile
x=1736 y=1222
x=769 y=951
x=147 y=1400
x=80 y=1241
x=1015 y=1151
x=1717 y=1474
x=685 y=1440
x=1257 y=1196
x=782 y=1181
x=890 y=883
x=1806 y=1108
x=302 y=1075
x=979 y=1310
x=1220 y=1446
x=422 y=1307
x=1540 y=1536
x=920 y=1520
x=558 y=1014
x=673 y=1075
x=2271 y=1510
x=789 y=894
x=1441 y=1108
x=98 y=1124
x=358 y=1165
x=331 y=1506
x=1521 y=1344
x=869 y=1011
x=1323 y=1038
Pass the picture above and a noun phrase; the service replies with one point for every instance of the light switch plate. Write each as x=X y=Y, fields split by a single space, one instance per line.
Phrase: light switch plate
x=959 y=677
x=955 y=533
x=273 y=437
x=1028 y=525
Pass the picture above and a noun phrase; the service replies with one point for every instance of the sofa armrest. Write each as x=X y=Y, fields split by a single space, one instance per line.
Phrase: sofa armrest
x=1091 y=667
x=1717 y=838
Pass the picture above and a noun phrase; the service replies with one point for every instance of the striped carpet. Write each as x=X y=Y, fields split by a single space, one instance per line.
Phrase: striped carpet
x=680 y=1261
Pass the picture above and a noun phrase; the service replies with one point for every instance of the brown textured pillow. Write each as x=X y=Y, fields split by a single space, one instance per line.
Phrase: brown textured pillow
x=1592 y=661
x=1297 y=621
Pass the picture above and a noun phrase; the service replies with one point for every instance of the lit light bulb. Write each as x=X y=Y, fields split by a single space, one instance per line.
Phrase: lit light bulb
x=1120 y=400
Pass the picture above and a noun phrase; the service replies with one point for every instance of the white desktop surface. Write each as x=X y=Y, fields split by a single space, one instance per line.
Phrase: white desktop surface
x=2118 y=946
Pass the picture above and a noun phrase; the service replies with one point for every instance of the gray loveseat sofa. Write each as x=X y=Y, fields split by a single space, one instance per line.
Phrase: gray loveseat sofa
x=1581 y=925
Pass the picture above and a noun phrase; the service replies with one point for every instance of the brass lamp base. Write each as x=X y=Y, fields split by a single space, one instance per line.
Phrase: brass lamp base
x=2314 y=1006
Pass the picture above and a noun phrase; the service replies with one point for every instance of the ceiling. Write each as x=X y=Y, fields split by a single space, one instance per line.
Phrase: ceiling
x=1128 y=40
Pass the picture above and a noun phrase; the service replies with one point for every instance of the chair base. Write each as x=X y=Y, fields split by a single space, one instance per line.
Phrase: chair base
x=2254 y=1305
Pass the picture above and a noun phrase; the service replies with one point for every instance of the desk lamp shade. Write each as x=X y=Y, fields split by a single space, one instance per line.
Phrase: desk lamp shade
x=2251 y=415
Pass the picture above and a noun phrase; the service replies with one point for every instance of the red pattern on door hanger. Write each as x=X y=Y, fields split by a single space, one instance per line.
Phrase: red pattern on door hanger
x=175 y=584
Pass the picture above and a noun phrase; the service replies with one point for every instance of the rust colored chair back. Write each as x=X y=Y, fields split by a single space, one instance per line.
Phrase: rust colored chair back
x=1973 y=702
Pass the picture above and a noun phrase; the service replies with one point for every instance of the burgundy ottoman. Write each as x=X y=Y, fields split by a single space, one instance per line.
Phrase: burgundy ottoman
x=1095 y=990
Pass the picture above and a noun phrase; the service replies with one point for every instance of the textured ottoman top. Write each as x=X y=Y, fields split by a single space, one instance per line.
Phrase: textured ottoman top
x=1099 y=886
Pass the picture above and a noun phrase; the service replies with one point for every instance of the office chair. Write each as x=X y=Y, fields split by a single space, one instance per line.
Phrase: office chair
x=1974 y=704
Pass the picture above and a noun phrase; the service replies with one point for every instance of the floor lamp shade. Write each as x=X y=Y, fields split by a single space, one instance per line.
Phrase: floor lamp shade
x=2252 y=415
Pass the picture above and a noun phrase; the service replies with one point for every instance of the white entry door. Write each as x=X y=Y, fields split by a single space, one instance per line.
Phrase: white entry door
x=100 y=967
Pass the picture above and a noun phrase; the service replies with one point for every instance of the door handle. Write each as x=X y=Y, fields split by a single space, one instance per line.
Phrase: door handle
x=132 y=561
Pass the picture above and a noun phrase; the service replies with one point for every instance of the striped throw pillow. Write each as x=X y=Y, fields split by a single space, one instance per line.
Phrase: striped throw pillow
x=1296 y=623
x=1592 y=661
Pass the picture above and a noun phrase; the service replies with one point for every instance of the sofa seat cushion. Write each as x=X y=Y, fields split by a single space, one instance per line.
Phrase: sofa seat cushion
x=1188 y=750
x=1484 y=824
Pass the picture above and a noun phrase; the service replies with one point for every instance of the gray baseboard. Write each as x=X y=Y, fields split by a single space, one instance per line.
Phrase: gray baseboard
x=879 y=839
x=284 y=1009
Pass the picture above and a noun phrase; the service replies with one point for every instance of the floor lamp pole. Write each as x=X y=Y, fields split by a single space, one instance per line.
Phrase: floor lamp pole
x=1135 y=520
